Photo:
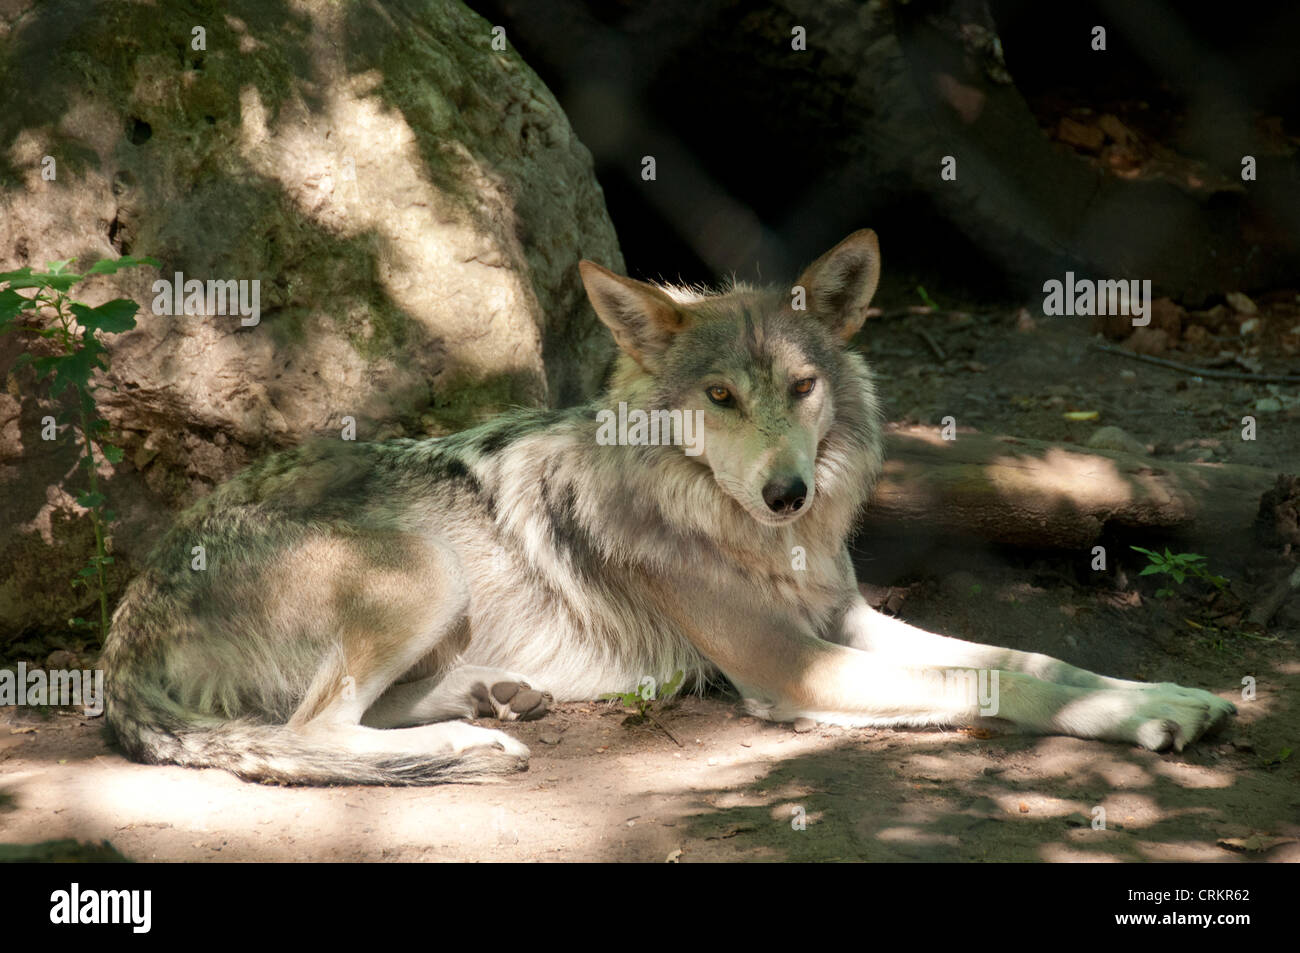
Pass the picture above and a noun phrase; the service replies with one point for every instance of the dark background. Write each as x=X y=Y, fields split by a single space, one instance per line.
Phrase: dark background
x=754 y=149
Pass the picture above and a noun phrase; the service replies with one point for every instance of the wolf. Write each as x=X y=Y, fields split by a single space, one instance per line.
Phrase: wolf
x=340 y=611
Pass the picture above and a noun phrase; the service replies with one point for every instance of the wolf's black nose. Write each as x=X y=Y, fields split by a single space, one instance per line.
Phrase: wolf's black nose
x=782 y=495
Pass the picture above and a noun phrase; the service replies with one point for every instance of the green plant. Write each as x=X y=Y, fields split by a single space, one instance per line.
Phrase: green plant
x=643 y=697
x=1278 y=759
x=75 y=330
x=1178 y=567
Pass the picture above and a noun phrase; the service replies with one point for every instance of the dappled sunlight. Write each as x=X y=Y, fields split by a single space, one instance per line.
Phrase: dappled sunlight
x=956 y=765
x=1193 y=775
x=1039 y=806
x=1084 y=761
x=735 y=788
x=1083 y=477
x=928 y=435
x=352 y=164
x=1067 y=854
x=917 y=835
x=1181 y=852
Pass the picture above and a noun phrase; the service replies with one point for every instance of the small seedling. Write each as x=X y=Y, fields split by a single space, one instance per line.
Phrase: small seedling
x=643 y=699
x=1278 y=759
x=1179 y=567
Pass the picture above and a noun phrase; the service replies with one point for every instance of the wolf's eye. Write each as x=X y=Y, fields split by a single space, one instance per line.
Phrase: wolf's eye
x=720 y=396
x=804 y=387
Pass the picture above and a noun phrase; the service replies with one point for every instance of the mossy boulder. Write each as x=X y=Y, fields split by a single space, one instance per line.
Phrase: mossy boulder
x=408 y=196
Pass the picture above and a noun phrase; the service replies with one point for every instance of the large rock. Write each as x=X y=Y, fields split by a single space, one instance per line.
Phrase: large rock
x=412 y=202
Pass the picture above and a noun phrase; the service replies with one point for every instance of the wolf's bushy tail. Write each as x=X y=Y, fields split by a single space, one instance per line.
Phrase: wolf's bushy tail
x=279 y=754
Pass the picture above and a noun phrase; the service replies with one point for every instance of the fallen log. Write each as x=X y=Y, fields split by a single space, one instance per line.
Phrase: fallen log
x=1030 y=493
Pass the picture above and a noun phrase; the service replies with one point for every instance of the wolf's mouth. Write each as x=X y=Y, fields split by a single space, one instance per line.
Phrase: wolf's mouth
x=763 y=515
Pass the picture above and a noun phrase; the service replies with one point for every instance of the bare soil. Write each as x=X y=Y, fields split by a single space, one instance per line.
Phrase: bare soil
x=737 y=789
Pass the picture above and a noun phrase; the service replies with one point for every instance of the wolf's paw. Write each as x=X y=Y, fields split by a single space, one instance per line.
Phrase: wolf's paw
x=510 y=701
x=1220 y=706
x=1175 y=718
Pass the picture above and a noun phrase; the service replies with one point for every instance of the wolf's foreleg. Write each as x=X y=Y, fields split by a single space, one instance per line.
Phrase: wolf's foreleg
x=892 y=639
x=784 y=671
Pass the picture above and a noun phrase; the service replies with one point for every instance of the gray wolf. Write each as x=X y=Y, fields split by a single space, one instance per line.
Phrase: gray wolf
x=359 y=601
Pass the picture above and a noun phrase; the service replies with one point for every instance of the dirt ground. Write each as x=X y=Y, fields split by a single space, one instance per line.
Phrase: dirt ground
x=738 y=789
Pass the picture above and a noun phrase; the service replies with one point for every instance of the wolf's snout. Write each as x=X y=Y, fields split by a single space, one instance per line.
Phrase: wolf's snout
x=782 y=495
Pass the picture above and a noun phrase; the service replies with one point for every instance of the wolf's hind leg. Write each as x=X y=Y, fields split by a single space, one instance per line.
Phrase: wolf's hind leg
x=469 y=691
x=409 y=611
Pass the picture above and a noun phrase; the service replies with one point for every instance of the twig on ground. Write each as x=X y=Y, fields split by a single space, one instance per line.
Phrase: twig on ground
x=934 y=345
x=664 y=729
x=1200 y=371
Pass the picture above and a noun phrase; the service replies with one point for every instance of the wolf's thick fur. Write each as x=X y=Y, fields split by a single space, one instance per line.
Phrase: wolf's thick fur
x=358 y=599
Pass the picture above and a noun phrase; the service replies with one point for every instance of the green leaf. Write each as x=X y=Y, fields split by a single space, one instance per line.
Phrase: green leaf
x=109 y=266
x=1151 y=570
x=671 y=685
x=111 y=317
x=56 y=267
x=61 y=281
x=90 y=499
x=12 y=304
x=112 y=454
x=75 y=368
x=44 y=365
x=87 y=572
x=12 y=275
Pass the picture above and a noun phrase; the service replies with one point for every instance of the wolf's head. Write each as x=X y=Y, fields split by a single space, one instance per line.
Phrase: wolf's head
x=766 y=370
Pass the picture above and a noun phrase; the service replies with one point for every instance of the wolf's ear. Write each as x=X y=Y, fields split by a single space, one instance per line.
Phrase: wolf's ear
x=841 y=282
x=642 y=317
